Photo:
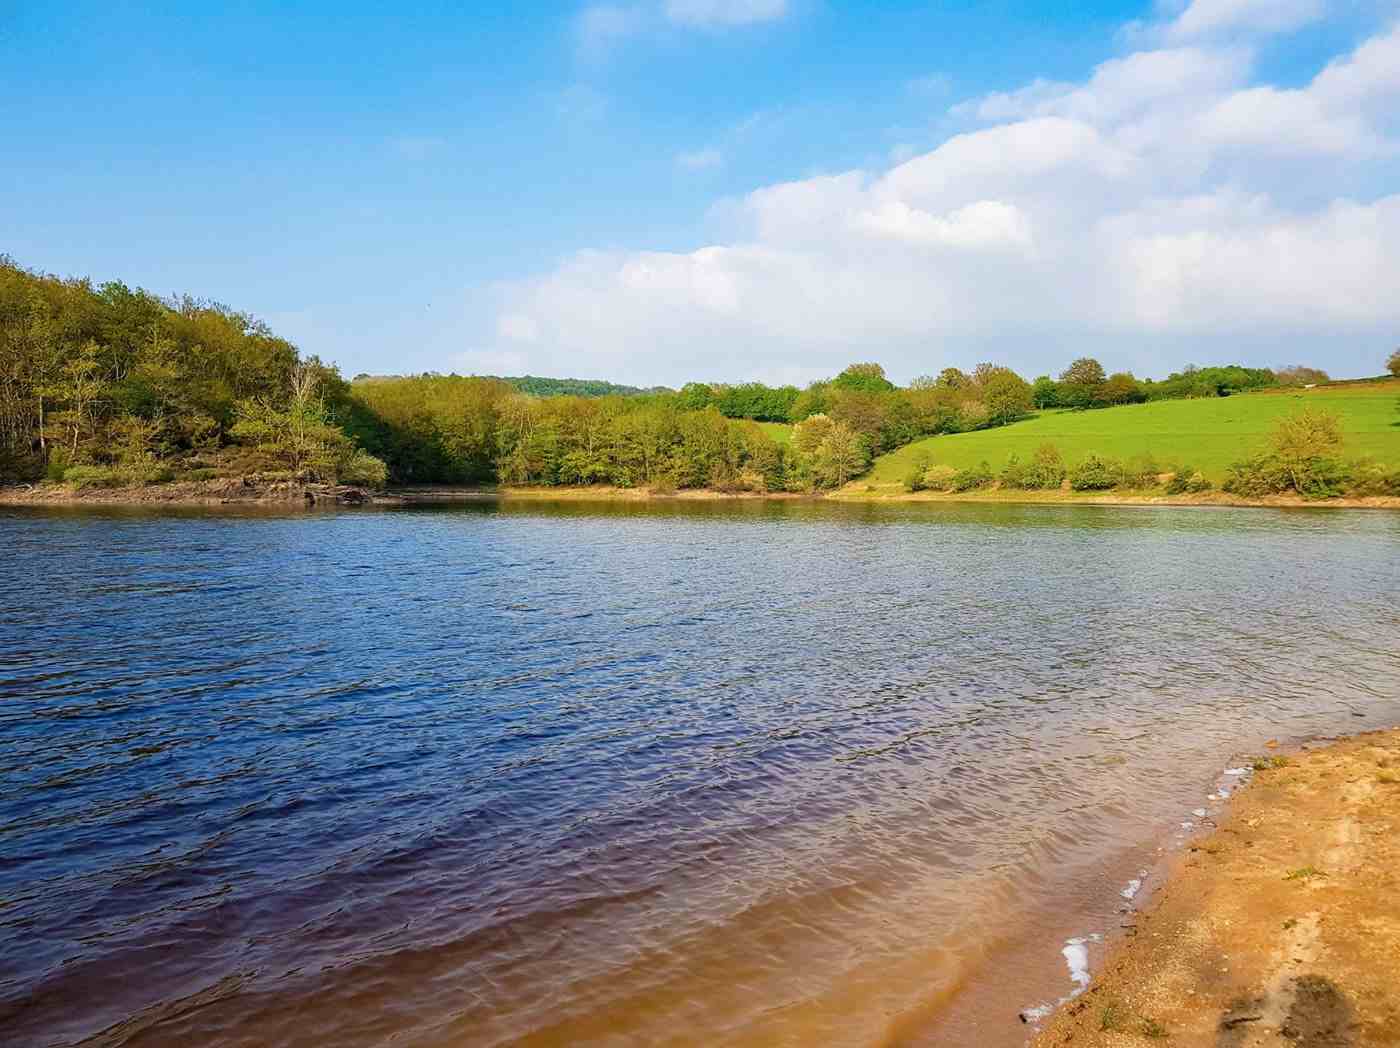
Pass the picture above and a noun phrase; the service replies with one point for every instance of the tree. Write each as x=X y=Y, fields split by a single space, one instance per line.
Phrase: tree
x=1081 y=384
x=1393 y=363
x=1122 y=388
x=1007 y=396
x=1300 y=375
x=952 y=378
x=1045 y=392
x=1086 y=371
x=866 y=378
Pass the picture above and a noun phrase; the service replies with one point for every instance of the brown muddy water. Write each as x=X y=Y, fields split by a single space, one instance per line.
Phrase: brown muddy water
x=633 y=774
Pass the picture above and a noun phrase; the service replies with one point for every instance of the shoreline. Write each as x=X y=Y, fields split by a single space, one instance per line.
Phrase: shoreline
x=1277 y=928
x=236 y=492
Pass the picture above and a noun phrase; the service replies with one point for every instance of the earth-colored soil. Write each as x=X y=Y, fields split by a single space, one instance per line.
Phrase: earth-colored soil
x=226 y=491
x=222 y=491
x=1280 y=929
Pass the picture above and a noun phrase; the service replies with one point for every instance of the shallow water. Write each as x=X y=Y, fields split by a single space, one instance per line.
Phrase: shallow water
x=753 y=773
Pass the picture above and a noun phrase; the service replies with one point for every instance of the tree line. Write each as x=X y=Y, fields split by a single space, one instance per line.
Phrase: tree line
x=105 y=384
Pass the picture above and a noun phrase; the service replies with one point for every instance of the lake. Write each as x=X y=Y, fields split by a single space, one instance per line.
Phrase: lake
x=534 y=773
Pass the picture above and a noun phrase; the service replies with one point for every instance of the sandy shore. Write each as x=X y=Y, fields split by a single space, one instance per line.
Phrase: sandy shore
x=1281 y=928
x=233 y=491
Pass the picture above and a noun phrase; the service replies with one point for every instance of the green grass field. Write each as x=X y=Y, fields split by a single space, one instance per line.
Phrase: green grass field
x=1205 y=434
x=781 y=432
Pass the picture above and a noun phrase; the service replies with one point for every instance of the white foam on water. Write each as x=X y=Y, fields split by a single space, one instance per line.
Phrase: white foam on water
x=1187 y=825
x=1134 y=886
x=1236 y=771
x=1036 y=1014
x=1076 y=954
x=1077 y=957
x=1200 y=813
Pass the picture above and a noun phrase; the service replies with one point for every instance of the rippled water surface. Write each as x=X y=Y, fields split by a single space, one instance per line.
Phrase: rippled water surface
x=672 y=773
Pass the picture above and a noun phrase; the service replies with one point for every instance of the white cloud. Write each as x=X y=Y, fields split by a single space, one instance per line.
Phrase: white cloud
x=517 y=327
x=701 y=159
x=602 y=27
x=1203 y=18
x=1167 y=200
x=724 y=12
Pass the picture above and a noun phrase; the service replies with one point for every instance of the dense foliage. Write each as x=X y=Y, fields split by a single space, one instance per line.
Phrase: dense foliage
x=105 y=385
x=118 y=386
x=1085 y=385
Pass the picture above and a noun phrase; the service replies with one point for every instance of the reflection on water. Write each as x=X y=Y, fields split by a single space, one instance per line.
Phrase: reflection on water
x=535 y=773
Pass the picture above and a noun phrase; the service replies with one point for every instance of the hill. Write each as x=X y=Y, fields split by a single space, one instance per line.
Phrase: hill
x=538 y=386
x=1207 y=434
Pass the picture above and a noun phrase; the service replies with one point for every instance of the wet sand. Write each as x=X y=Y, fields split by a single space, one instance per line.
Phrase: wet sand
x=1280 y=928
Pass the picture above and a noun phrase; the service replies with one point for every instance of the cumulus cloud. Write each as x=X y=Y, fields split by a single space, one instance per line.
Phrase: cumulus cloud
x=1203 y=18
x=1167 y=200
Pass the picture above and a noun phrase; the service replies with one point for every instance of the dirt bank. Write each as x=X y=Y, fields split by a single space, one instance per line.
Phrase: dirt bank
x=225 y=491
x=1281 y=928
x=222 y=491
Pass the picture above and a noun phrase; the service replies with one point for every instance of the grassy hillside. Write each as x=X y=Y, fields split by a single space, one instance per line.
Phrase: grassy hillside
x=1206 y=434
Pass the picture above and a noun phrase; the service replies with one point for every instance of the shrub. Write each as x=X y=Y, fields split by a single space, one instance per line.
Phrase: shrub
x=1187 y=480
x=914 y=479
x=141 y=472
x=939 y=478
x=1044 y=471
x=973 y=478
x=201 y=473
x=1141 y=471
x=1315 y=478
x=83 y=477
x=1095 y=474
x=1371 y=478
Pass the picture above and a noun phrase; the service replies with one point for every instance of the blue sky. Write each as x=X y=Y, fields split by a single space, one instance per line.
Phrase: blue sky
x=653 y=190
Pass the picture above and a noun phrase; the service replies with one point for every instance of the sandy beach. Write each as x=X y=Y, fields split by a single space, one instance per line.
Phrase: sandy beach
x=1280 y=928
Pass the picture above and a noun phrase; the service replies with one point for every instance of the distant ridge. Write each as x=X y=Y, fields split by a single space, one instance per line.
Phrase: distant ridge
x=538 y=386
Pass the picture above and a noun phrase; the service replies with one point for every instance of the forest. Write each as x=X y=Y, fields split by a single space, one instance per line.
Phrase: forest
x=105 y=385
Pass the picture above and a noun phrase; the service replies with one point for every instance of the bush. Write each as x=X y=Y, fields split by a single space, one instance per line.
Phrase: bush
x=84 y=477
x=1045 y=470
x=939 y=478
x=1095 y=474
x=1187 y=481
x=1141 y=471
x=914 y=479
x=201 y=473
x=1315 y=478
x=973 y=478
x=142 y=472
x=1371 y=478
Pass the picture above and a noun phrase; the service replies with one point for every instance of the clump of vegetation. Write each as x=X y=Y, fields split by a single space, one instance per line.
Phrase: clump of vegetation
x=1112 y=1016
x=1304 y=873
x=1270 y=763
x=1045 y=471
x=1304 y=458
x=1187 y=481
x=1153 y=1029
x=1096 y=473
x=974 y=478
x=84 y=477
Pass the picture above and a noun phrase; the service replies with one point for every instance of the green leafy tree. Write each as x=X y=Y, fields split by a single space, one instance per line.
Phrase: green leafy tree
x=866 y=378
